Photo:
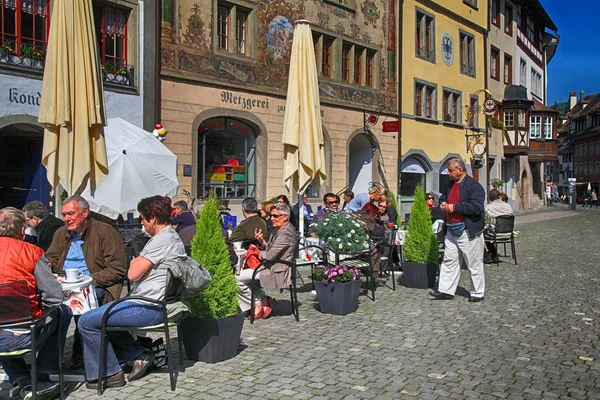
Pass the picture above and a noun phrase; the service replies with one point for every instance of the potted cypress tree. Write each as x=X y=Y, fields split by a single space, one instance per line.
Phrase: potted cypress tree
x=213 y=332
x=421 y=246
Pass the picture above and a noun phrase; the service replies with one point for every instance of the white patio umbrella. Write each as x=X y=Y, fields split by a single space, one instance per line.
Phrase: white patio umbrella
x=304 y=156
x=139 y=166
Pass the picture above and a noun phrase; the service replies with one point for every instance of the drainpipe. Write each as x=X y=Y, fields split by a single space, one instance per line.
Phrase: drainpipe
x=157 y=59
x=487 y=85
x=399 y=48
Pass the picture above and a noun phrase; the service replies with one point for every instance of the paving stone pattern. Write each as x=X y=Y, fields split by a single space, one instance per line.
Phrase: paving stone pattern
x=535 y=336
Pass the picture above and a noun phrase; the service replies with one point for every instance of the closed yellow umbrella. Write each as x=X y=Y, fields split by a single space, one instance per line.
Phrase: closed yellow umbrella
x=72 y=101
x=304 y=155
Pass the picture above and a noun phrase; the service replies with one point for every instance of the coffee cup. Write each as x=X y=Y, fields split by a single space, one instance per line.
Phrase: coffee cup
x=71 y=274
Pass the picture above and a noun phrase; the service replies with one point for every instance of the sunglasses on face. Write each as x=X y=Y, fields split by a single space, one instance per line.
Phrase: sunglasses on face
x=332 y=202
x=276 y=215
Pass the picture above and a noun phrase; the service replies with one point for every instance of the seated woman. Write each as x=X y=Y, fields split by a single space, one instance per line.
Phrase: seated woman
x=265 y=213
x=281 y=245
x=149 y=273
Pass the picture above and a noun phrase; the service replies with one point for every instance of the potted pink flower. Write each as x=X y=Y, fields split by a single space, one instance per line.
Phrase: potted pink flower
x=337 y=287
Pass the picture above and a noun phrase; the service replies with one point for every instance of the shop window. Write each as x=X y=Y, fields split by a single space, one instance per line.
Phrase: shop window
x=226 y=158
x=425 y=100
x=496 y=12
x=467 y=54
x=444 y=178
x=425 y=36
x=412 y=174
x=548 y=127
x=507 y=69
x=113 y=39
x=452 y=101
x=535 y=126
x=509 y=118
x=232 y=28
x=495 y=63
x=24 y=27
x=508 y=18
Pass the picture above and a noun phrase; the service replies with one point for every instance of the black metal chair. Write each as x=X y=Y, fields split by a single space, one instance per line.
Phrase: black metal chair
x=172 y=295
x=15 y=313
x=387 y=248
x=504 y=234
x=293 y=289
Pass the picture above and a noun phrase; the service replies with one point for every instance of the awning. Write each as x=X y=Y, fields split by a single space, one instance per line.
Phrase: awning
x=412 y=166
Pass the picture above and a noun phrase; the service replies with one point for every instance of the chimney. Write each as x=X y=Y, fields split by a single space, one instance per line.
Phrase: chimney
x=581 y=95
x=572 y=100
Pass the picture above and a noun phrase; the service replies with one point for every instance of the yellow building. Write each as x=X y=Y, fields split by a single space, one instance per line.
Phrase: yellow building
x=442 y=78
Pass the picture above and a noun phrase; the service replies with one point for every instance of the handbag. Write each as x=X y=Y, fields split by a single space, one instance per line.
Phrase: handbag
x=252 y=261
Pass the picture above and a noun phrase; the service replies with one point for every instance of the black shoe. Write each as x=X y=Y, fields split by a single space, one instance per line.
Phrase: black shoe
x=475 y=299
x=141 y=365
x=45 y=390
x=115 y=381
x=441 y=296
x=434 y=293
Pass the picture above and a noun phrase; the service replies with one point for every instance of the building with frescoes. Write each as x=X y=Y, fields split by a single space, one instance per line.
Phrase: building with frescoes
x=443 y=79
x=224 y=67
x=123 y=44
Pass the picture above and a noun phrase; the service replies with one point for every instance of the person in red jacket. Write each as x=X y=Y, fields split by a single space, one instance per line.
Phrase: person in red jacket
x=24 y=261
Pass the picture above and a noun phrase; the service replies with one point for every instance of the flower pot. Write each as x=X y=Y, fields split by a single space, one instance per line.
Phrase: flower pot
x=212 y=341
x=338 y=298
x=419 y=276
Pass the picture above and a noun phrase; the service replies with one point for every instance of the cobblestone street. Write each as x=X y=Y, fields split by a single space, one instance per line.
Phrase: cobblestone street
x=535 y=335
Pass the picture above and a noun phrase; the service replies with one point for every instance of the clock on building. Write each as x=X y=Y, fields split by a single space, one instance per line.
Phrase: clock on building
x=447 y=49
x=478 y=149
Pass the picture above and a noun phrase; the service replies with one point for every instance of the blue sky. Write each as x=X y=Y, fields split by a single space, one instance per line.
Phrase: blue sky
x=576 y=65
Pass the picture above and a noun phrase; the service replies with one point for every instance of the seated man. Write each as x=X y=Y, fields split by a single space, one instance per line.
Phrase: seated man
x=386 y=210
x=308 y=211
x=281 y=245
x=24 y=261
x=348 y=195
x=494 y=209
x=95 y=249
x=183 y=216
x=331 y=202
x=244 y=232
x=44 y=223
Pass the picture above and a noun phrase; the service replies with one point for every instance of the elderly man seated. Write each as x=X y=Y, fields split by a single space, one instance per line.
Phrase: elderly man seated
x=281 y=245
x=24 y=261
x=495 y=208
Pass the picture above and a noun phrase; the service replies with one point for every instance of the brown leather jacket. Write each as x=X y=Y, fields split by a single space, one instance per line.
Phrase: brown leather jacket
x=104 y=255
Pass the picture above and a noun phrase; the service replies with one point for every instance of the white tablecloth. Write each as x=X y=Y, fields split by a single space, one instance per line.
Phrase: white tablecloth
x=80 y=296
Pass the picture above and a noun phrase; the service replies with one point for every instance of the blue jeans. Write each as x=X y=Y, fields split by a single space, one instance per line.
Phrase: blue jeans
x=121 y=347
x=47 y=358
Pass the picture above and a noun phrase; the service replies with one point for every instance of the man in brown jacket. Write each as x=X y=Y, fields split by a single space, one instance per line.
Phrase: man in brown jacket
x=95 y=249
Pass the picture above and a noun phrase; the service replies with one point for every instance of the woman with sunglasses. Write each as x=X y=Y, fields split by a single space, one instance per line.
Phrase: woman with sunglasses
x=280 y=246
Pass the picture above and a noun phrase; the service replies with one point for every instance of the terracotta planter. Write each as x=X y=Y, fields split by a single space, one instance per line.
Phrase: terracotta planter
x=338 y=298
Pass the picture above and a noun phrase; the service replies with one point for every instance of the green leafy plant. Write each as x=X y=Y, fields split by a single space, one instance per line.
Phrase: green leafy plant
x=108 y=67
x=335 y=273
x=342 y=234
x=219 y=298
x=421 y=243
x=6 y=50
x=497 y=183
x=32 y=52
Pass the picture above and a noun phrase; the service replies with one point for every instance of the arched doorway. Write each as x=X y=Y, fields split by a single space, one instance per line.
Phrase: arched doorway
x=22 y=175
x=226 y=158
x=360 y=164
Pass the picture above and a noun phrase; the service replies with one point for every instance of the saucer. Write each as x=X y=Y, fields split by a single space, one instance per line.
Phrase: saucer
x=75 y=281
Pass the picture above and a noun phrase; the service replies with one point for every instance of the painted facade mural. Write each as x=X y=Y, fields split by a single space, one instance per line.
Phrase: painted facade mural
x=190 y=49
